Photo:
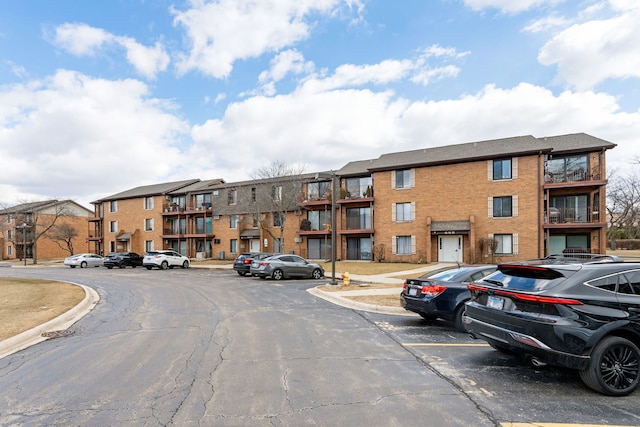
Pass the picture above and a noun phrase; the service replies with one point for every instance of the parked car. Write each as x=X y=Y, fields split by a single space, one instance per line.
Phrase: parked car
x=282 y=266
x=442 y=293
x=84 y=260
x=164 y=259
x=242 y=263
x=122 y=260
x=579 y=314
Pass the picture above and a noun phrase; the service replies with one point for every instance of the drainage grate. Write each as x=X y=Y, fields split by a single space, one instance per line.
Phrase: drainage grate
x=57 y=334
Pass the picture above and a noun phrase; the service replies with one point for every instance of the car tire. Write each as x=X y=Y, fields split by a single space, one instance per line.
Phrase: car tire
x=185 y=264
x=277 y=274
x=72 y=266
x=83 y=264
x=242 y=273
x=121 y=266
x=457 y=319
x=428 y=317
x=148 y=267
x=614 y=367
x=164 y=265
x=109 y=267
x=316 y=274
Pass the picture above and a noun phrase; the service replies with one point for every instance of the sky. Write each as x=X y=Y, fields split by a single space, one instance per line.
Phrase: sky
x=101 y=97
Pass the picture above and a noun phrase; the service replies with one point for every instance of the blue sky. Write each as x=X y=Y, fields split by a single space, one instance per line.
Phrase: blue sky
x=100 y=97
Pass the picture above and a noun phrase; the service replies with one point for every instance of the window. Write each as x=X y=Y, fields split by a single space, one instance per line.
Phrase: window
x=278 y=219
x=9 y=219
x=505 y=244
x=233 y=221
x=359 y=187
x=203 y=200
x=148 y=203
x=9 y=237
x=402 y=212
x=276 y=193
x=9 y=250
x=319 y=190
x=358 y=218
x=232 y=197
x=254 y=196
x=320 y=220
x=501 y=169
x=113 y=206
x=404 y=245
x=256 y=220
x=569 y=168
x=402 y=178
x=233 y=246
x=148 y=245
x=502 y=207
x=148 y=224
x=113 y=226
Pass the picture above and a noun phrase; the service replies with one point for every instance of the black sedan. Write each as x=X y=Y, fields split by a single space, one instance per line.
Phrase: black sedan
x=578 y=315
x=122 y=260
x=442 y=293
x=242 y=263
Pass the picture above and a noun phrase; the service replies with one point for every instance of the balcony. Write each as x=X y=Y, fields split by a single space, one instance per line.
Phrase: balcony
x=582 y=216
x=570 y=176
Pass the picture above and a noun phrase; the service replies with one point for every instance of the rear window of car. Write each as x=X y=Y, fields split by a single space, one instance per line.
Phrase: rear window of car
x=526 y=278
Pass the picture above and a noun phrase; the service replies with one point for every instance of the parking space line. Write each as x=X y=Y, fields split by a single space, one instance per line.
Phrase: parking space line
x=418 y=344
x=520 y=424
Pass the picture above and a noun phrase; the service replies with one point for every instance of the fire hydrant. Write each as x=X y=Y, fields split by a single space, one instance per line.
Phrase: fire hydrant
x=345 y=278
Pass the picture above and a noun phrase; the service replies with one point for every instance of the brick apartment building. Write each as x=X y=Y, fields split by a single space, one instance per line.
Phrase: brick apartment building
x=528 y=196
x=26 y=230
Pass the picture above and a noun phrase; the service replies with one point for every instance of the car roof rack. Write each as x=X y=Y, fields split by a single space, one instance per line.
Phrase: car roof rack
x=582 y=258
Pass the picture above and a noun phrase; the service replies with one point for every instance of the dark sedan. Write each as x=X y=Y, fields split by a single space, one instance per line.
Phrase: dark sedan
x=578 y=315
x=242 y=263
x=122 y=260
x=442 y=293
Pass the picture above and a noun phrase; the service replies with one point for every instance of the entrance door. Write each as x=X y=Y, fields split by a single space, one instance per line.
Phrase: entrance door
x=450 y=248
x=254 y=245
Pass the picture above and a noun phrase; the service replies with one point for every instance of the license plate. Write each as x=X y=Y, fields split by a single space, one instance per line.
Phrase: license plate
x=413 y=291
x=495 y=302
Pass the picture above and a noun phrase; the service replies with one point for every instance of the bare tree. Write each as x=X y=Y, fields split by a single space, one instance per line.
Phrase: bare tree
x=63 y=235
x=277 y=191
x=623 y=205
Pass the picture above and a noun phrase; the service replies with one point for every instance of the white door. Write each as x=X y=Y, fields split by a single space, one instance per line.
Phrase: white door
x=450 y=248
x=254 y=245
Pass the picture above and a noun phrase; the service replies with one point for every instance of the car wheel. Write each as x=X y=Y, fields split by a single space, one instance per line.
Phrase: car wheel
x=164 y=265
x=242 y=273
x=428 y=317
x=149 y=267
x=457 y=319
x=185 y=264
x=109 y=267
x=277 y=274
x=83 y=264
x=316 y=274
x=121 y=265
x=72 y=266
x=614 y=367
x=262 y=276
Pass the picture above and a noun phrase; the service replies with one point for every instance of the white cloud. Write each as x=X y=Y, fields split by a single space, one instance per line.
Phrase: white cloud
x=84 y=40
x=288 y=61
x=224 y=31
x=84 y=135
x=589 y=53
x=509 y=6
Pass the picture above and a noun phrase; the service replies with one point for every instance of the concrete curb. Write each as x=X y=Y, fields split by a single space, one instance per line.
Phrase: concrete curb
x=347 y=303
x=62 y=322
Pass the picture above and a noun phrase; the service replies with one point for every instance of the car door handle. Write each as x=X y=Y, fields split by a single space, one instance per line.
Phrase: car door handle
x=634 y=309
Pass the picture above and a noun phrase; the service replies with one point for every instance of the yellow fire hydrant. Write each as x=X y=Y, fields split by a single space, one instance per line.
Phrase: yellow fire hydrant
x=345 y=278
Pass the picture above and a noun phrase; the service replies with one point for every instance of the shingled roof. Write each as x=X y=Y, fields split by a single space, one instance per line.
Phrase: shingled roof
x=149 y=190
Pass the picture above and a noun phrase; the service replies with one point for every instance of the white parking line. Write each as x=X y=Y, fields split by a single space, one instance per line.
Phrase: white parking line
x=418 y=344
x=519 y=424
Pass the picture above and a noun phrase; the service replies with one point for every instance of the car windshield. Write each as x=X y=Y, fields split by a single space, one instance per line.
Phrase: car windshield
x=527 y=278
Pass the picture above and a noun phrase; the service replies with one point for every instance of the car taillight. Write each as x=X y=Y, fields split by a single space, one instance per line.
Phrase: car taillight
x=247 y=260
x=527 y=297
x=432 y=290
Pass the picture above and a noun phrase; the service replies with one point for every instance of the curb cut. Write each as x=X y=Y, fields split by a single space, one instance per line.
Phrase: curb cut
x=64 y=321
x=347 y=303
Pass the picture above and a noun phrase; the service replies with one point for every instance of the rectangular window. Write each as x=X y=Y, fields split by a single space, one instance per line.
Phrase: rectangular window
x=9 y=250
x=148 y=224
x=320 y=220
x=403 y=212
x=232 y=197
x=502 y=207
x=403 y=245
x=359 y=187
x=319 y=190
x=9 y=219
x=254 y=196
x=501 y=169
x=276 y=193
x=403 y=178
x=256 y=220
x=358 y=218
x=233 y=221
x=148 y=203
x=567 y=169
x=233 y=246
x=148 y=245
x=505 y=244
x=9 y=237
x=278 y=219
x=113 y=206
x=113 y=226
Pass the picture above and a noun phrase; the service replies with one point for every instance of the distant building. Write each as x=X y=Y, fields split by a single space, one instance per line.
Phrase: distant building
x=27 y=230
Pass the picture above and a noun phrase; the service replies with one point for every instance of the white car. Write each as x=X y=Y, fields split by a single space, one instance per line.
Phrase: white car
x=84 y=260
x=164 y=259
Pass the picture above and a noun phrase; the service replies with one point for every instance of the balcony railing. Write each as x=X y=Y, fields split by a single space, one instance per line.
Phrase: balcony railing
x=577 y=175
x=572 y=215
